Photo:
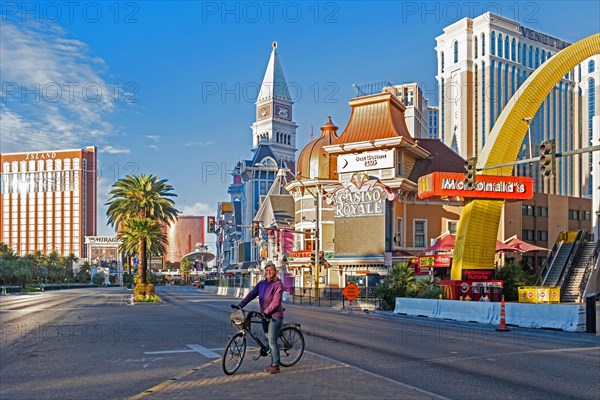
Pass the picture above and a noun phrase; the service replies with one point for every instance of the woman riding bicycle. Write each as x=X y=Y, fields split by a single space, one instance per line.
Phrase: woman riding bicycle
x=269 y=292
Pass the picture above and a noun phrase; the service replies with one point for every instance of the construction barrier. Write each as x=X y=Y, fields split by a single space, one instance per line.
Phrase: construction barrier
x=567 y=317
x=554 y=295
x=539 y=294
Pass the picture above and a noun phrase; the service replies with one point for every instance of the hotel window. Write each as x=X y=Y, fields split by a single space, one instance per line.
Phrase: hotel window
x=420 y=233
x=442 y=61
x=542 y=211
x=537 y=57
x=574 y=214
x=493 y=40
x=530 y=58
x=513 y=50
x=528 y=234
x=455 y=52
x=483 y=44
x=528 y=210
x=398 y=236
x=499 y=45
x=586 y=216
x=452 y=227
x=591 y=66
x=506 y=54
x=542 y=236
x=475 y=46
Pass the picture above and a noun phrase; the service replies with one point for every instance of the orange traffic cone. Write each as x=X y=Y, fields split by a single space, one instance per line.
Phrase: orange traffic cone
x=503 y=327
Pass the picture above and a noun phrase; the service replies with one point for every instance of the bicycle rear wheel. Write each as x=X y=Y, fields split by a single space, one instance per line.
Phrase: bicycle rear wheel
x=291 y=346
x=234 y=353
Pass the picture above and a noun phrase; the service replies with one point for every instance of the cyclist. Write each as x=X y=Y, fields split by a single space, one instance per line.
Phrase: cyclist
x=269 y=292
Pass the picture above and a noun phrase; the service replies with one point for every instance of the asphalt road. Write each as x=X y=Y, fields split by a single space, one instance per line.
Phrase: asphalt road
x=92 y=344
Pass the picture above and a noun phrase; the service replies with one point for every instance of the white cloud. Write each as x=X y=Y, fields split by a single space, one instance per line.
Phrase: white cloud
x=114 y=150
x=195 y=209
x=154 y=138
x=53 y=94
x=153 y=147
x=200 y=144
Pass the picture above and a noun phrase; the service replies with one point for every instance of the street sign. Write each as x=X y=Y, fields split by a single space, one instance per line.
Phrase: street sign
x=351 y=291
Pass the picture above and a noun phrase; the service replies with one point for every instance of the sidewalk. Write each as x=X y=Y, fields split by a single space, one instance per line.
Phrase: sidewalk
x=313 y=377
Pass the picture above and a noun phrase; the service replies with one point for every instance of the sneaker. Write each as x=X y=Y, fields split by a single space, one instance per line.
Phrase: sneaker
x=273 y=369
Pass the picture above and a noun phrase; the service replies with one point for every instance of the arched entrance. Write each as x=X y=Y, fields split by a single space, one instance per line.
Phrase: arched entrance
x=479 y=220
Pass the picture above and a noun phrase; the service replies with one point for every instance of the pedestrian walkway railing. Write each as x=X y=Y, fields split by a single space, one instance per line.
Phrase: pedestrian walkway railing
x=333 y=297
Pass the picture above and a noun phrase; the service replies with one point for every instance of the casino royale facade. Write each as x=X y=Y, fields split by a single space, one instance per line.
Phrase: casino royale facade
x=366 y=181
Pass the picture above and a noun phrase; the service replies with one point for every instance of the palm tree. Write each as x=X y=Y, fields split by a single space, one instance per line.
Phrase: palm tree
x=141 y=197
x=147 y=236
x=8 y=261
x=185 y=266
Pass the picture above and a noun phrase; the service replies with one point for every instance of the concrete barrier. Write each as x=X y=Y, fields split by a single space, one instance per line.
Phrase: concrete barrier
x=416 y=307
x=468 y=311
x=567 y=317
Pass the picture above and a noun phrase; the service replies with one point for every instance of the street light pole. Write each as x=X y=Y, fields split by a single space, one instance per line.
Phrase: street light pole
x=528 y=120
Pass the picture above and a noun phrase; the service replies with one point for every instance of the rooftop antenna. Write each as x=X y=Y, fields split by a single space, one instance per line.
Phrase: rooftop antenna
x=311 y=132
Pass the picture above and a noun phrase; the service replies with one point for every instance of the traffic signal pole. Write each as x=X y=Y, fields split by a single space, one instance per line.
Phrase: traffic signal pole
x=534 y=159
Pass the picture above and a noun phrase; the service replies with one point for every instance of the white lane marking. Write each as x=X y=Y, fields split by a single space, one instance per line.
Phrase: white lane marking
x=208 y=353
x=194 y=348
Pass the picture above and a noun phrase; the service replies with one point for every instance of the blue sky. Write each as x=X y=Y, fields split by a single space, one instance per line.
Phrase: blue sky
x=168 y=88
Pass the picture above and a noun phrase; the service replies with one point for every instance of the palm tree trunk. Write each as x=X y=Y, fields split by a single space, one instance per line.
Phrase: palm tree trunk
x=142 y=267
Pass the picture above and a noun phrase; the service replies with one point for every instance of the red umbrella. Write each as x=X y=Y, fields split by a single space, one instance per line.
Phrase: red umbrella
x=445 y=243
x=502 y=247
x=523 y=247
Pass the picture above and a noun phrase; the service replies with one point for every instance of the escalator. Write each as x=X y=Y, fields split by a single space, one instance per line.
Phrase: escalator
x=570 y=265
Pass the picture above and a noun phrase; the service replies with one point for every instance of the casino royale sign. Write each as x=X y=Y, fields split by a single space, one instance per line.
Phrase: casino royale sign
x=359 y=204
x=360 y=197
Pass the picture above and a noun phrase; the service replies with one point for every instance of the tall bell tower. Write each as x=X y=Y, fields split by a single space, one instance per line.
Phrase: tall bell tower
x=274 y=125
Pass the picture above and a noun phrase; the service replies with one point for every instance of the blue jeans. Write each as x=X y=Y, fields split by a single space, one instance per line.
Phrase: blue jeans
x=272 y=328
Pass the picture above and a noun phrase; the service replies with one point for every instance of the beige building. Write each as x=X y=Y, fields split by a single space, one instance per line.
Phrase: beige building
x=540 y=220
x=481 y=63
x=49 y=201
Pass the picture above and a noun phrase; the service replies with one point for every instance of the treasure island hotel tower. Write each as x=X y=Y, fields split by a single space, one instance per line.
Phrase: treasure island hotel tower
x=48 y=200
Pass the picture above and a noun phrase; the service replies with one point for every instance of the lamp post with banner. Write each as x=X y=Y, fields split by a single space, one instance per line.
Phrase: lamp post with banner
x=317 y=265
x=220 y=226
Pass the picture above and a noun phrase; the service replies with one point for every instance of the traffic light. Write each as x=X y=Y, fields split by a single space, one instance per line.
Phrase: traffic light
x=255 y=228
x=470 y=171
x=547 y=157
x=321 y=258
x=211 y=224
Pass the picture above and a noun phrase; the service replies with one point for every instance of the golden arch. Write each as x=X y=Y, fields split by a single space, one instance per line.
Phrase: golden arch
x=478 y=226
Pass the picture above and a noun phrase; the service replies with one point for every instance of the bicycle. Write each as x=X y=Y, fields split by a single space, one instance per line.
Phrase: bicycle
x=291 y=341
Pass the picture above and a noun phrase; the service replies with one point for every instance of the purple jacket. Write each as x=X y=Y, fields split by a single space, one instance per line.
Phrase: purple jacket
x=269 y=296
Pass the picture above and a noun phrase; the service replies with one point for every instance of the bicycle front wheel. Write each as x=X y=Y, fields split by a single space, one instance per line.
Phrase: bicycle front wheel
x=234 y=353
x=291 y=346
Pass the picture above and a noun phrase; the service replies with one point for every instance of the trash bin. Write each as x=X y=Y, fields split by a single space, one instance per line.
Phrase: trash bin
x=590 y=313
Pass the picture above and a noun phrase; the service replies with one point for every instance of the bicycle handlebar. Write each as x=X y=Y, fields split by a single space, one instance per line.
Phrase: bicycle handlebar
x=252 y=313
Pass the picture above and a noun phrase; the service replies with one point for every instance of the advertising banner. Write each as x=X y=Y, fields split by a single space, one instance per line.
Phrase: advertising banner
x=451 y=184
